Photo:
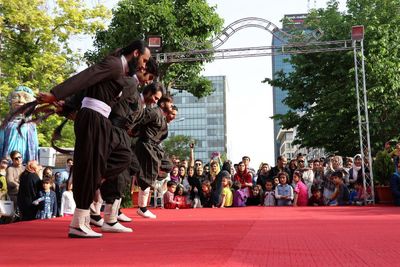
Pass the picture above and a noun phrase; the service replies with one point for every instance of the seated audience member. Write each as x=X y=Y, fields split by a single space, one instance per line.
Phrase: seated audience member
x=357 y=195
x=300 y=190
x=340 y=196
x=215 y=168
x=226 y=195
x=269 y=195
x=174 y=175
x=244 y=177
x=195 y=182
x=13 y=174
x=3 y=180
x=276 y=182
x=307 y=174
x=182 y=173
x=239 y=198
x=181 y=198
x=47 y=201
x=395 y=185
x=67 y=201
x=185 y=181
x=29 y=187
x=316 y=198
x=252 y=171
x=48 y=172
x=255 y=198
x=206 y=168
x=283 y=192
x=168 y=197
x=207 y=196
x=318 y=170
x=262 y=175
x=216 y=185
x=334 y=164
x=292 y=167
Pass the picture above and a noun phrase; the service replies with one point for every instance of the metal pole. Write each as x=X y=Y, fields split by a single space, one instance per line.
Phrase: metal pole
x=367 y=128
x=359 y=115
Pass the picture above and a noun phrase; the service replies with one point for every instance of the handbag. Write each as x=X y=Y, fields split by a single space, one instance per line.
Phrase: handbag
x=6 y=208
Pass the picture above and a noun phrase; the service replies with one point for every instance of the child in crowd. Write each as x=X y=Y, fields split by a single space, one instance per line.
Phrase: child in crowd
x=283 y=192
x=357 y=195
x=269 y=195
x=226 y=195
x=67 y=201
x=3 y=180
x=255 y=198
x=276 y=182
x=181 y=198
x=48 y=201
x=207 y=200
x=300 y=190
x=316 y=199
x=168 y=197
x=239 y=198
x=340 y=196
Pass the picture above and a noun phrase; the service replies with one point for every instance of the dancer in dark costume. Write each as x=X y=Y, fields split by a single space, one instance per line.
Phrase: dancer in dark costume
x=96 y=139
x=153 y=130
x=124 y=117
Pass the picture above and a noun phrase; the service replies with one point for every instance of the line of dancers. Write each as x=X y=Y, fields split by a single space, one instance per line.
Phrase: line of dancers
x=118 y=134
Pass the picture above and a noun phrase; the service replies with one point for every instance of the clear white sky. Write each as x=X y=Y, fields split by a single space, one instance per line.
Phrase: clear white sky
x=250 y=131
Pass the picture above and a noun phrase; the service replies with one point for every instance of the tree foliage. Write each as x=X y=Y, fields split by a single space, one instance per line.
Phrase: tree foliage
x=183 y=24
x=35 y=46
x=178 y=145
x=321 y=88
x=383 y=167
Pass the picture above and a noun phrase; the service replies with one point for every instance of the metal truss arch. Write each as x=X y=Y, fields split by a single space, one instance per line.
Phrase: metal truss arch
x=249 y=22
x=255 y=22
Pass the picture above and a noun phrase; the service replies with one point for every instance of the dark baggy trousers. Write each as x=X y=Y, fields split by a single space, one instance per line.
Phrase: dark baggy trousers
x=100 y=152
x=112 y=189
x=149 y=155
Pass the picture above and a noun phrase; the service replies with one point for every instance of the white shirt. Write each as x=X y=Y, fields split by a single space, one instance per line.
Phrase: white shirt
x=67 y=203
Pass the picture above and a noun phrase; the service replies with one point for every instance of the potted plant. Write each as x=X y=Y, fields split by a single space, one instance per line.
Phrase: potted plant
x=383 y=168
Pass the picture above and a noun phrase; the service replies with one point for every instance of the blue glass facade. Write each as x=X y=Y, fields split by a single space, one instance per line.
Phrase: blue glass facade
x=280 y=63
x=202 y=119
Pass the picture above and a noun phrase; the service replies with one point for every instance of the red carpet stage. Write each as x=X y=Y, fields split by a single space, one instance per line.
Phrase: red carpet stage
x=251 y=236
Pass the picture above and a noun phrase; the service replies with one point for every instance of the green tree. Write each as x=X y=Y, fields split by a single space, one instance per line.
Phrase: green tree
x=178 y=145
x=35 y=46
x=183 y=24
x=321 y=87
x=383 y=167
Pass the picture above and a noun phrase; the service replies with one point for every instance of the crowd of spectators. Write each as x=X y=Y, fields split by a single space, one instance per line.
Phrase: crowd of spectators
x=36 y=192
x=297 y=182
x=334 y=180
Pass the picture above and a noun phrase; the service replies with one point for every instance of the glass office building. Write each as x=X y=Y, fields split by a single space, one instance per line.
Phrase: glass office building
x=202 y=119
x=280 y=62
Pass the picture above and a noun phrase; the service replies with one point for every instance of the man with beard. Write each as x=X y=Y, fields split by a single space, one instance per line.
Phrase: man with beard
x=99 y=150
x=125 y=116
x=153 y=130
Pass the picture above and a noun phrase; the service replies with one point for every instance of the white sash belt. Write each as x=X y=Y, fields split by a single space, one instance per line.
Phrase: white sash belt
x=96 y=105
